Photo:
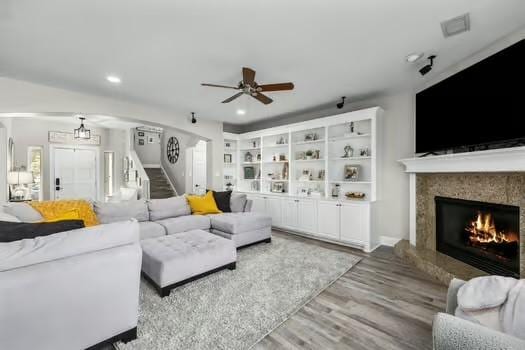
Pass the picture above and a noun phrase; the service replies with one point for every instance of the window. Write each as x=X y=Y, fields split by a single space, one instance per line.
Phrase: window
x=34 y=165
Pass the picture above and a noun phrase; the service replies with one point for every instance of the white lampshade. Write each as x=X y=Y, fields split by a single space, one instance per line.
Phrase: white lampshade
x=19 y=177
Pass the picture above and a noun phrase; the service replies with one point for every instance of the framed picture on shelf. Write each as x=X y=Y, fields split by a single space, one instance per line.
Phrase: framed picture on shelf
x=351 y=172
x=151 y=139
x=227 y=158
x=278 y=187
x=141 y=142
x=249 y=172
x=141 y=133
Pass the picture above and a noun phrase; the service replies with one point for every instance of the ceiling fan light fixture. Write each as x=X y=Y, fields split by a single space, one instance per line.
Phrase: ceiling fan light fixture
x=241 y=112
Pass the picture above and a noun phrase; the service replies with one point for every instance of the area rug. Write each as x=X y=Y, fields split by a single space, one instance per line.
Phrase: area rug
x=235 y=309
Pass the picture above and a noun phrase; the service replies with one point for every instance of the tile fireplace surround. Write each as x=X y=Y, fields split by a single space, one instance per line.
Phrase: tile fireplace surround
x=495 y=176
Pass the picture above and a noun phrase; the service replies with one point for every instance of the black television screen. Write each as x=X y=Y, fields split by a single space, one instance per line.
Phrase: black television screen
x=483 y=104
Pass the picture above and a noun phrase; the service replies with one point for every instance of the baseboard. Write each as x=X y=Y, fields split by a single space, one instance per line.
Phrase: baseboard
x=151 y=165
x=388 y=241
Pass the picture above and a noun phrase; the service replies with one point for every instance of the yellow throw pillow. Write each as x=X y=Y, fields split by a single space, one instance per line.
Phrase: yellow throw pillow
x=202 y=205
x=54 y=209
x=67 y=215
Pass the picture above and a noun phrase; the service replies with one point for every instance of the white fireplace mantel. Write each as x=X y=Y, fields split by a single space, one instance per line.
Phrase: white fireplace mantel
x=498 y=160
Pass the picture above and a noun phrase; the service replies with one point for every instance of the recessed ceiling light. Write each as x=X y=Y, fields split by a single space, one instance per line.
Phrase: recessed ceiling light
x=113 y=79
x=241 y=112
x=413 y=57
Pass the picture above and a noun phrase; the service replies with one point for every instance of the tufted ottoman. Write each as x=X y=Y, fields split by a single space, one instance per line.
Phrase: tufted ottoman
x=171 y=261
x=244 y=229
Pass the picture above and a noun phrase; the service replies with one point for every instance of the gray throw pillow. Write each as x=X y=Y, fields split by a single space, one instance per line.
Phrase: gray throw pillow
x=23 y=211
x=238 y=202
x=168 y=208
x=121 y=211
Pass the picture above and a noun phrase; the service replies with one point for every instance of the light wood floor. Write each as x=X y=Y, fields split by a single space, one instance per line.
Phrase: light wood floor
x=381 y=303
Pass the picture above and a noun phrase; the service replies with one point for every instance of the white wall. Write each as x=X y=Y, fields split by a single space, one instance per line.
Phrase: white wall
x=34 y=132
x=20 y=96
x=149 y=153
x=178 y=172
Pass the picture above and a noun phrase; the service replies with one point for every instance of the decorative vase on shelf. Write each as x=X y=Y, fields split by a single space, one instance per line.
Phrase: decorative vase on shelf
x=335 y=191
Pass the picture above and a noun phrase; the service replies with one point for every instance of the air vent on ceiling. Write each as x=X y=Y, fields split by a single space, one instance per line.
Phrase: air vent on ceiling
x=456 y=25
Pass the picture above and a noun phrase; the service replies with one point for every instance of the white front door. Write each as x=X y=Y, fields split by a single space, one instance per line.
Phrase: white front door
x=75 y=173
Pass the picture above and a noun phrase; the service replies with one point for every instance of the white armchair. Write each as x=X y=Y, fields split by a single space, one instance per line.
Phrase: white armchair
x=453 y=333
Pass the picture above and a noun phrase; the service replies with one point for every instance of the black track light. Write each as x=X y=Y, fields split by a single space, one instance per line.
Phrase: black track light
x=342 y=103
x=428 y=67
x=193 y=119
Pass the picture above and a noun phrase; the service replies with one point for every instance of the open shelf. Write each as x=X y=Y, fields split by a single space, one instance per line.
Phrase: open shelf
x=308 y=160
x=349 y=158
x=326 y=140
x=350 y=182
x=276 y=146
x=346 y=138
x=276 y=161
x=309 y=142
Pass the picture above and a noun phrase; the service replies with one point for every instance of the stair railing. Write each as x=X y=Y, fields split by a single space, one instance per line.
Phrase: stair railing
x=139 y=176
x=169 y=179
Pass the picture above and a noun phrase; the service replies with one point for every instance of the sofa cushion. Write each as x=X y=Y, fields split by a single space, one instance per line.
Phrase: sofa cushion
x=121 y=211
x=23 y=211
x=65 y=244
x=150 y=229
x=238 y=202
x=168 y=208
x=235 y=223
x=8 y=217
x=185 y=223
x=223 y=200
x=14 y=231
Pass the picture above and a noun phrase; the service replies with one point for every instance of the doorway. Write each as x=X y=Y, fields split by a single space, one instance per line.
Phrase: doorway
x=199 y=168
x=109 y=170
x=75 y=174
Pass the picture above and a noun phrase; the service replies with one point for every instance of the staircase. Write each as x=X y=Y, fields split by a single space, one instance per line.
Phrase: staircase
x=159 y=186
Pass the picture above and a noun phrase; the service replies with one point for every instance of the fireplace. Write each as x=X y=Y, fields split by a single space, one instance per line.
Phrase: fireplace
x=484 y=235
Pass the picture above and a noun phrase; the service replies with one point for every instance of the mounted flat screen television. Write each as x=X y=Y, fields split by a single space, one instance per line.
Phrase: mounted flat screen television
x=483 y=104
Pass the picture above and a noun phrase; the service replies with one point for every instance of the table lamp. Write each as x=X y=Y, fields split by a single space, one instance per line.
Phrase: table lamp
x=18 y=180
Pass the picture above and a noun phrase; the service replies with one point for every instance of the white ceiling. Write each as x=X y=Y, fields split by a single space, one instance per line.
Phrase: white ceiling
x=164 y=49
x=92 y=120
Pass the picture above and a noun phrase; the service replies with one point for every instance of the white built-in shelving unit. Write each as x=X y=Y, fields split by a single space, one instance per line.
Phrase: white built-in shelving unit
x=294 y=168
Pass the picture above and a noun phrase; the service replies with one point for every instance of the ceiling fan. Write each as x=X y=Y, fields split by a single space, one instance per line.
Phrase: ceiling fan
x=248 y=86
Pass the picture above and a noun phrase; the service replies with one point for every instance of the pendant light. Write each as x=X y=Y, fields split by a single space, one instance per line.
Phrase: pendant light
x=82 y=132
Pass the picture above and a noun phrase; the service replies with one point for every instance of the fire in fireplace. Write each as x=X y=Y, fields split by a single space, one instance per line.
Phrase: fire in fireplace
x=484 y=235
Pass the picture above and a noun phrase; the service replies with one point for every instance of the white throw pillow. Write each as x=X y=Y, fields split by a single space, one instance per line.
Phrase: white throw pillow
x=8 y=217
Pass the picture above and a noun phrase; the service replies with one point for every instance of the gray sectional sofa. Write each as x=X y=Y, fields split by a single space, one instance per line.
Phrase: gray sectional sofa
x=160 y=217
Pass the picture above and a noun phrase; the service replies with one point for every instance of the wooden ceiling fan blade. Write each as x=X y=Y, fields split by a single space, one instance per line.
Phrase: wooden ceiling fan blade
x=276 y=87
x=220 y=86
x=248 y=76
x=262 y=98
x=229 y=99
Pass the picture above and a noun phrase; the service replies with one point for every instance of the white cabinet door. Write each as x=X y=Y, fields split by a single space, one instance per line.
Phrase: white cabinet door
x=289 y=209
x=328 y=219
x=353 y=223
x=307 y=215
x=273 y=208
x=259 y=204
